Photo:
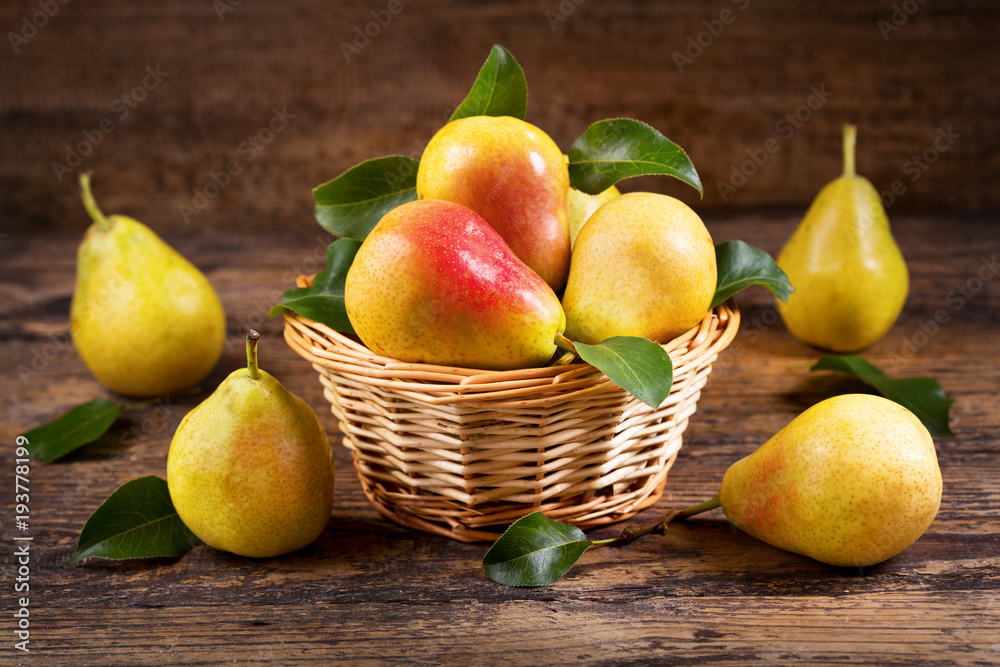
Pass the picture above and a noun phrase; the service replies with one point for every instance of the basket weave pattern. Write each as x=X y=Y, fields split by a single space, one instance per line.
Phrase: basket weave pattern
x=453 y=451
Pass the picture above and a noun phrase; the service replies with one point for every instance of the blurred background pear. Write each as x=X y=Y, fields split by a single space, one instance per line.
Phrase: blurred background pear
x=144 y=320
x=850 y=277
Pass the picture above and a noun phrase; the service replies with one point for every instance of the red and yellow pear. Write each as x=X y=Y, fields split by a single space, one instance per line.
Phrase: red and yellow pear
x=434 y=283
x=512 y=175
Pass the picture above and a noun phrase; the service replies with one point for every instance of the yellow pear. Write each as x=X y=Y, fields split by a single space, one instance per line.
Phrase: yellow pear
x=850 y=278
x=250 y=470
x=643 y=265
x=851 y=481
x=144 y=320
x=581 y=206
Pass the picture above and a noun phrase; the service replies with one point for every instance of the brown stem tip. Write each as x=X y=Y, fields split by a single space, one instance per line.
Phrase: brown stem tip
x=252 y=338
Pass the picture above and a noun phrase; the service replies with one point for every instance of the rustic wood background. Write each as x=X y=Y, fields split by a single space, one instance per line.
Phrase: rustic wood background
x=226 y=65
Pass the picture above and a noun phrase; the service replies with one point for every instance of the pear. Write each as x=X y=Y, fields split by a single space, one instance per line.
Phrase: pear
x=851 y=481
x=144 y=320
x=643 y=265
x=434 y=283
x=250 y=470
x=850 y=278
x=580 y=206
x=514 y=176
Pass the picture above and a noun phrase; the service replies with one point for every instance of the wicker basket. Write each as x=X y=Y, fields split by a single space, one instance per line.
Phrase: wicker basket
x=461 y=452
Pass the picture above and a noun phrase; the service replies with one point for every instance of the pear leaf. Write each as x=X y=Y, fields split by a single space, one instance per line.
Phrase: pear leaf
x=618 y=148
x=81 y=425
x=351 y=205
x=534 y=551
x=323 y=301
x=637 y=365
x=499 y=90
x=923 y=396
x=740 y=265
x=138 y=520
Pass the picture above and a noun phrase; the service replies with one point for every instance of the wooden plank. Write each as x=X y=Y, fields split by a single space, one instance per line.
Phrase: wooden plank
x=849 y=628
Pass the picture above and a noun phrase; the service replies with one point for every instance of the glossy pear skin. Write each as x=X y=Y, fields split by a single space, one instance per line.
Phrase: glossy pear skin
x=514 y=176
x=850 y=277
x=643 y=265
x=434 y=283
x=581 y=206
x=144 y=320
x=851 y=481
x=250 y=470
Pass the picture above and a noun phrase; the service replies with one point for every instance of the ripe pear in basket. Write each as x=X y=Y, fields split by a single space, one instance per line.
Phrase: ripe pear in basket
x=643 y=265
x=435 y=283
x=444 y=442
x=513 y=175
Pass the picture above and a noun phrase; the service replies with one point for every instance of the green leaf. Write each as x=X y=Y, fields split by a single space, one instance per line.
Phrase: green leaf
x=352 y=204
x=637 y=365
x=138 y=520
x=323 y=301
x=740 y=265
x=84 y=423
x=534 y=551
x=618 y=148
x=922 y=396
x=499 y=89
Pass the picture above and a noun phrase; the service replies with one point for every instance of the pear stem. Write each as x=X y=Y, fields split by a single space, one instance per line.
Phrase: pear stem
x=90 y=203
x=660 y=526
x=850 y=139
x=564 y=343
x=566 y=359
x=700 y=507
x=252 y=338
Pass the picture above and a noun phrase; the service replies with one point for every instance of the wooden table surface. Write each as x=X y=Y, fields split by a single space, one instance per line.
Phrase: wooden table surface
x=369 y=591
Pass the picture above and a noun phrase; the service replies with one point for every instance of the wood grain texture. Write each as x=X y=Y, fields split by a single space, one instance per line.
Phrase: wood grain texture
x=222 y=75
x=371 y=592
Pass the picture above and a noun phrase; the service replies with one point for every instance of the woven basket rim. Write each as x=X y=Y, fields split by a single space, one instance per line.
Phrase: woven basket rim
x=446 y=384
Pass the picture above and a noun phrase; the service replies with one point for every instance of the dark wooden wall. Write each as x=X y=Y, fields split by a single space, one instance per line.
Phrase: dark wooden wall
x=225 y=66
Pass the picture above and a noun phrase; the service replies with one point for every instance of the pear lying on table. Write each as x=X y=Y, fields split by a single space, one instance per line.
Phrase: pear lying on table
x=851 y=481
x=434 y=283
x=250 y=470
x=144 y=320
